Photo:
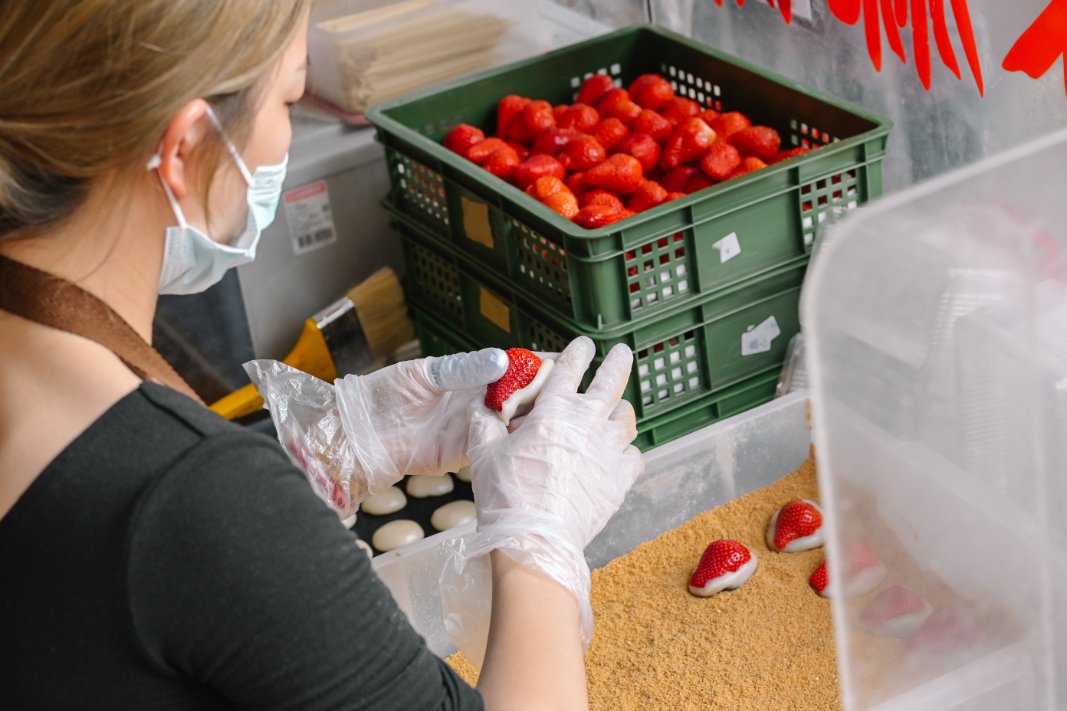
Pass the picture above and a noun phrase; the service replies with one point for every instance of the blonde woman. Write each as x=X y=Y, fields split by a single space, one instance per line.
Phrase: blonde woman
x=154 y=556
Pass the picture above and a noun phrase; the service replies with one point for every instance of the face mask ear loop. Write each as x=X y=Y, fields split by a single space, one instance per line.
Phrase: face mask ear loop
x=230 y=147
x=154 y=164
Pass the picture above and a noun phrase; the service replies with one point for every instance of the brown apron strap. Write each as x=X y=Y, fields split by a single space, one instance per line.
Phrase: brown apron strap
x=57 y=303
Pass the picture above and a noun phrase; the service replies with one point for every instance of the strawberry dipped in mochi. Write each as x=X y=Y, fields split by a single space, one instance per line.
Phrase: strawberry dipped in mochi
x=897 y=611
x=725 y=565
x=795 y=527
x=520 y=384
x=864 y=572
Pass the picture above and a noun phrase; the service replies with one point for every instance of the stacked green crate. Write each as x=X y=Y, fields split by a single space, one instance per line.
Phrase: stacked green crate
x=704 y=288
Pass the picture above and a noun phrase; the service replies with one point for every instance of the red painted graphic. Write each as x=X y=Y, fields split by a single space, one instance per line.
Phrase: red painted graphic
x=892 y=16
x=784 y=6
x=1041 y=44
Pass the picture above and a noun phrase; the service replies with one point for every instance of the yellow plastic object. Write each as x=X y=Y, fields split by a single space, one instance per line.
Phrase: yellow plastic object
x=310 y=355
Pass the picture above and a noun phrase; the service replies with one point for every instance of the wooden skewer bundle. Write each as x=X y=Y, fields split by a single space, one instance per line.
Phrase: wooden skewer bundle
x=402 y=47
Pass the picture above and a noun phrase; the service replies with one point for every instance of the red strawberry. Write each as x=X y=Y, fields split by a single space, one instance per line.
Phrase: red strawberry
x=610 y=132
x=674 y=196
x=607 y=101
x=582 y=153
x=642 y=147
x=897 y=611
x=563 y=202
x=602 y=197
x=594 y=87
x=820 y=581
x=679 y=109
x=653 y=124
x=593 y=216
x=545 y=186
x=697 y=183
x=709 y=116
x=506 y=110
x=730 y=123
x=725 y=565
x=520 y=149
x=863 y=570
x=757 y=141
x=479 y=153
x=797 y=526
x=503 y=162
x=339 y=496
x=552 y=140
x=626 y=111
x=534 y=167
x=461 y=138
x=677 y=179
x=651 y=91
x=522 y=368
x=576 y=183
x=580 y=117
x=791 y=153
x=648 y=194
x=749 y=165
x=559 y=111
x=720 y=161
x=621 y=173
x=687 y=143
x=535 y=117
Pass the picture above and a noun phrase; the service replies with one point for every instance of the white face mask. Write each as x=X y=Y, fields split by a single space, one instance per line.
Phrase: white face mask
x=192 y=261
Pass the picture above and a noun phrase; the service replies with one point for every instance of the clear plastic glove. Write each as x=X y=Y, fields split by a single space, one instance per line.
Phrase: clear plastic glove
x=544 y=490
x=362 y=434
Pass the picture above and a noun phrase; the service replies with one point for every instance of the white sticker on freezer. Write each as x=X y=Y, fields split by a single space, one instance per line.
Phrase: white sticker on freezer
x=758 y=339
x=729 y=247
x=310 y=218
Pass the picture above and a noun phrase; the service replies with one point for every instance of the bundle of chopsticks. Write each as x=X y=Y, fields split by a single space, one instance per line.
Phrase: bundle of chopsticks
x=391 y=51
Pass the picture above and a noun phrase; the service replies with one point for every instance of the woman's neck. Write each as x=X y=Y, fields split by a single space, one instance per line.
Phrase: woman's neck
x=111 y=247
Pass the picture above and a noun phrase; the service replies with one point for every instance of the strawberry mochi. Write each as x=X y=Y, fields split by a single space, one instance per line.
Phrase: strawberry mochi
x=725 y=565
x=897 y=611
x=520 y=385
x=863 y=572
x=795 y=527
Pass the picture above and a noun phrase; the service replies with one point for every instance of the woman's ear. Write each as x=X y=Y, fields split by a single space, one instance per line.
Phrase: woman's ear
x=183 y=134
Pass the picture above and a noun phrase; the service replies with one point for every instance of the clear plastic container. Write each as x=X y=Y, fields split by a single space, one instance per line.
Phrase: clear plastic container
x=936 y=338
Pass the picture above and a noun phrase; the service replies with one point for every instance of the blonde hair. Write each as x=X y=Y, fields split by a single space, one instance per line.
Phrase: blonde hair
x=87 y=87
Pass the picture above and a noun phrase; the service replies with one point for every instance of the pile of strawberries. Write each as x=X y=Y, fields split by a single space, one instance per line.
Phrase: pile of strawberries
x=616 y=152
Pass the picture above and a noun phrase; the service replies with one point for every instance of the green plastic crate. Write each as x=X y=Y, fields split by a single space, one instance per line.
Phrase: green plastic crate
x=438 y=339
x=664 y=257
x=681 y=355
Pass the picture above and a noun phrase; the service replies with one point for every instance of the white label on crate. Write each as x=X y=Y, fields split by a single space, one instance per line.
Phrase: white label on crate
x=310 y=218
x=758 y=339
x=729 y=247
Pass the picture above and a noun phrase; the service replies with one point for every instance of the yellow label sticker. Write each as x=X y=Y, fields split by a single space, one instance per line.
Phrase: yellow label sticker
x=476 y=222
x=494 y=309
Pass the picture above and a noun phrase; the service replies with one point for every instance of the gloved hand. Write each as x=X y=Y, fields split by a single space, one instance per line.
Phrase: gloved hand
x=362 y=434
x=544 y=491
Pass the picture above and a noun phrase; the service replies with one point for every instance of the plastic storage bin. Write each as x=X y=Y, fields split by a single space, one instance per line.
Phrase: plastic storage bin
x=682 y=355
x=682 y=479
x=935 y=324
x=715 y=238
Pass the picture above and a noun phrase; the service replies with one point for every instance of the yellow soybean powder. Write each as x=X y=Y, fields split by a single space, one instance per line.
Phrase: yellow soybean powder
x=768 y=644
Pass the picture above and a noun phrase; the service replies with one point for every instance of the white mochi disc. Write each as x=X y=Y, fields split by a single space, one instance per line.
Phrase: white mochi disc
x=349 y=522
x=464 y=474
x=389 y=501
x=365 y=547
x=526 y=395
x=452 y=514
x=423 y=487
x=396 y=534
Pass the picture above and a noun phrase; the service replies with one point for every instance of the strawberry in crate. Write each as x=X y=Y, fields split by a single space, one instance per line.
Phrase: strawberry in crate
x=678 y=147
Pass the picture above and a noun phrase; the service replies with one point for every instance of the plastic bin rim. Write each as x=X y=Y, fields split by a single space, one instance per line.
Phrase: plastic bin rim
x=378 y=116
